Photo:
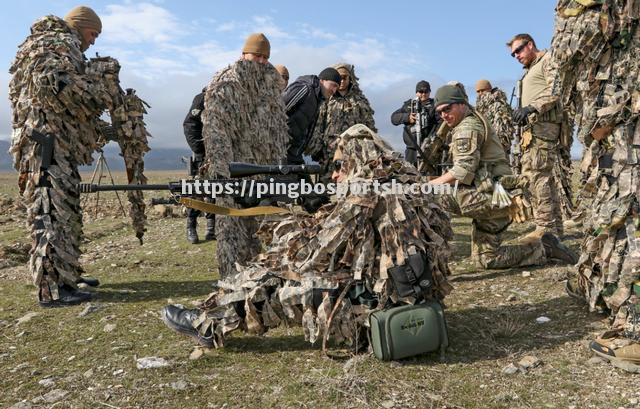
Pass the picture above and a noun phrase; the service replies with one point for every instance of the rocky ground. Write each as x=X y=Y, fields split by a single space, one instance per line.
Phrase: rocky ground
x=517 y=341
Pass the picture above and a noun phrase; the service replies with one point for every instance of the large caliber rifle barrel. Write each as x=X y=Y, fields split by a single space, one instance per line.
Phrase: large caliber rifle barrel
x=92 y=188
x=240 y=169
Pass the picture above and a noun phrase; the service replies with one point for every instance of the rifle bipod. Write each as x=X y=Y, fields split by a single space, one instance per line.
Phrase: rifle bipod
x=99 y=172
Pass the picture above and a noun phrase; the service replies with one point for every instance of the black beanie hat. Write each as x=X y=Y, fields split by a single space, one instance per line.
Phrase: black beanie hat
x=330 y=74
x=423 y=86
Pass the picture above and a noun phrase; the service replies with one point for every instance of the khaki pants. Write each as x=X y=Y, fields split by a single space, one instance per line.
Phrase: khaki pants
x=538 y=160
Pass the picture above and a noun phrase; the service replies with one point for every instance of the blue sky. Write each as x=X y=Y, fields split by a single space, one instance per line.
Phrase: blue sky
x=169 y=50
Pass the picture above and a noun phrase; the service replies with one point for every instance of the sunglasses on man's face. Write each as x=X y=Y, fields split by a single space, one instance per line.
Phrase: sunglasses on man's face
x=337 y=164
x=422 y=91
x=519 y=49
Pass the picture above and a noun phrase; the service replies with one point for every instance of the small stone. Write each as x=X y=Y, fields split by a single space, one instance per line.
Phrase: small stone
x=197 y=353
x=543 y=320
x=526 y=274
x=46 y=382
x=71 y=358
x=118 y=372
x=151 y=362
x=55 y=395
x=21 y=405
x=114 y=265
x=26 y=318
x=89 y=309
x=19 y=367
x=388 y=404
x=179 y=385
x=512 y=297
x=596 y=360
x=633 y=401
x=109 y=327
x=510 y=369
x=88 y=373
x=529 y=361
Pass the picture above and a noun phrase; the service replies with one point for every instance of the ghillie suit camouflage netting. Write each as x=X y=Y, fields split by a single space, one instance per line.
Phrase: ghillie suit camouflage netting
x=53 y=93
x=310 y=259
x=337 y=115
x=243 y=121
x=596 y=48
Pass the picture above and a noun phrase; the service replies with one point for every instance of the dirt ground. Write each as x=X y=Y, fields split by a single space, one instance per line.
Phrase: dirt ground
x=86 y=356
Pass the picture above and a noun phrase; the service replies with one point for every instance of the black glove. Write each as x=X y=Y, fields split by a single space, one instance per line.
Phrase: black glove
x=520 y=115
x=311 y=204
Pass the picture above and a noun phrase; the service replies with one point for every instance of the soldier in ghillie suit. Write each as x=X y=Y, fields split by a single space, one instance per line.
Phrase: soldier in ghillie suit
x=596 y=51
x=347 y=107
x=311 y=259
x=480 y=168
x=243 y=121
x=541 y=112
x=425 y=148
x=57 y=100
x=493 y=105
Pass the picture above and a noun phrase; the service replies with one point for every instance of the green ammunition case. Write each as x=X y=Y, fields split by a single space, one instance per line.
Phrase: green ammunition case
x=408 y=330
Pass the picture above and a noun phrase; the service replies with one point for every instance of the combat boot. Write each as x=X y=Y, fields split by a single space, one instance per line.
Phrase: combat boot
x=192 y=233
x=619 y=350
x=66 y=296
x=181 y=320
x=554 y=249
x=211 y=230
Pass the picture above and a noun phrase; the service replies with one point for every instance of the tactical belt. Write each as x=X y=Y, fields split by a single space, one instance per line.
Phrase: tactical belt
x=229 y=211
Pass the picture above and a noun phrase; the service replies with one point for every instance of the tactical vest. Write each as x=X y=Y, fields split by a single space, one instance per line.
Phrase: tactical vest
x=535 y=86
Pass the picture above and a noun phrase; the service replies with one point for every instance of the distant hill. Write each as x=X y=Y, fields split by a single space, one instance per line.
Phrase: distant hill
x=156 y=159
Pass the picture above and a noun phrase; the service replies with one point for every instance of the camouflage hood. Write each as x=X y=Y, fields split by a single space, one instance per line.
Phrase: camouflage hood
x=354 y=85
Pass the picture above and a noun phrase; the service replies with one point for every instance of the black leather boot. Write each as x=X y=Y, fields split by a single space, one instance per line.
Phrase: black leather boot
x=90 y=281
x=68 y=296
x=211 y=229
x=192 y=233
x=180 y=320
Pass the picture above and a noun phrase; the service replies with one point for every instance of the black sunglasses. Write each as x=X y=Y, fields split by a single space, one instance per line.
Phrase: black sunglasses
x=422 y=91
x=519 y=49
x=337 y=164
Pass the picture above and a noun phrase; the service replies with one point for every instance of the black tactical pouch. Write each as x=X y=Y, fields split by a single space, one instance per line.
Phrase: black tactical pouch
x=414 y=278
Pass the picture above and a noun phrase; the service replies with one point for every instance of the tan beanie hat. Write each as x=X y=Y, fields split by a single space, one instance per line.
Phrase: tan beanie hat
x=482 y=85
x=83 y=17
x=284 y=72
x=257 y=43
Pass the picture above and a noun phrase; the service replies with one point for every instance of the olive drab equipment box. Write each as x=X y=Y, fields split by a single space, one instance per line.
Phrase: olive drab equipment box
x=408 y=330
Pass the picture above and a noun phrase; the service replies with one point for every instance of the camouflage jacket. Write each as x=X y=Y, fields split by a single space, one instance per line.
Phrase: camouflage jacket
x=51 y=93
x=475 y=145
x=494 y=107
x=244 y=118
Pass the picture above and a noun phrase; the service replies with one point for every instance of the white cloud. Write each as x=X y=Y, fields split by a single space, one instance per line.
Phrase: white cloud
x=229 y=26
x=265 y=24
x=140 y=23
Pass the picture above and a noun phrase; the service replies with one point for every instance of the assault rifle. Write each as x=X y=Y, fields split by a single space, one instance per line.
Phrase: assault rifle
x=516 y=148
x=421 y=119
x=244 y=192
